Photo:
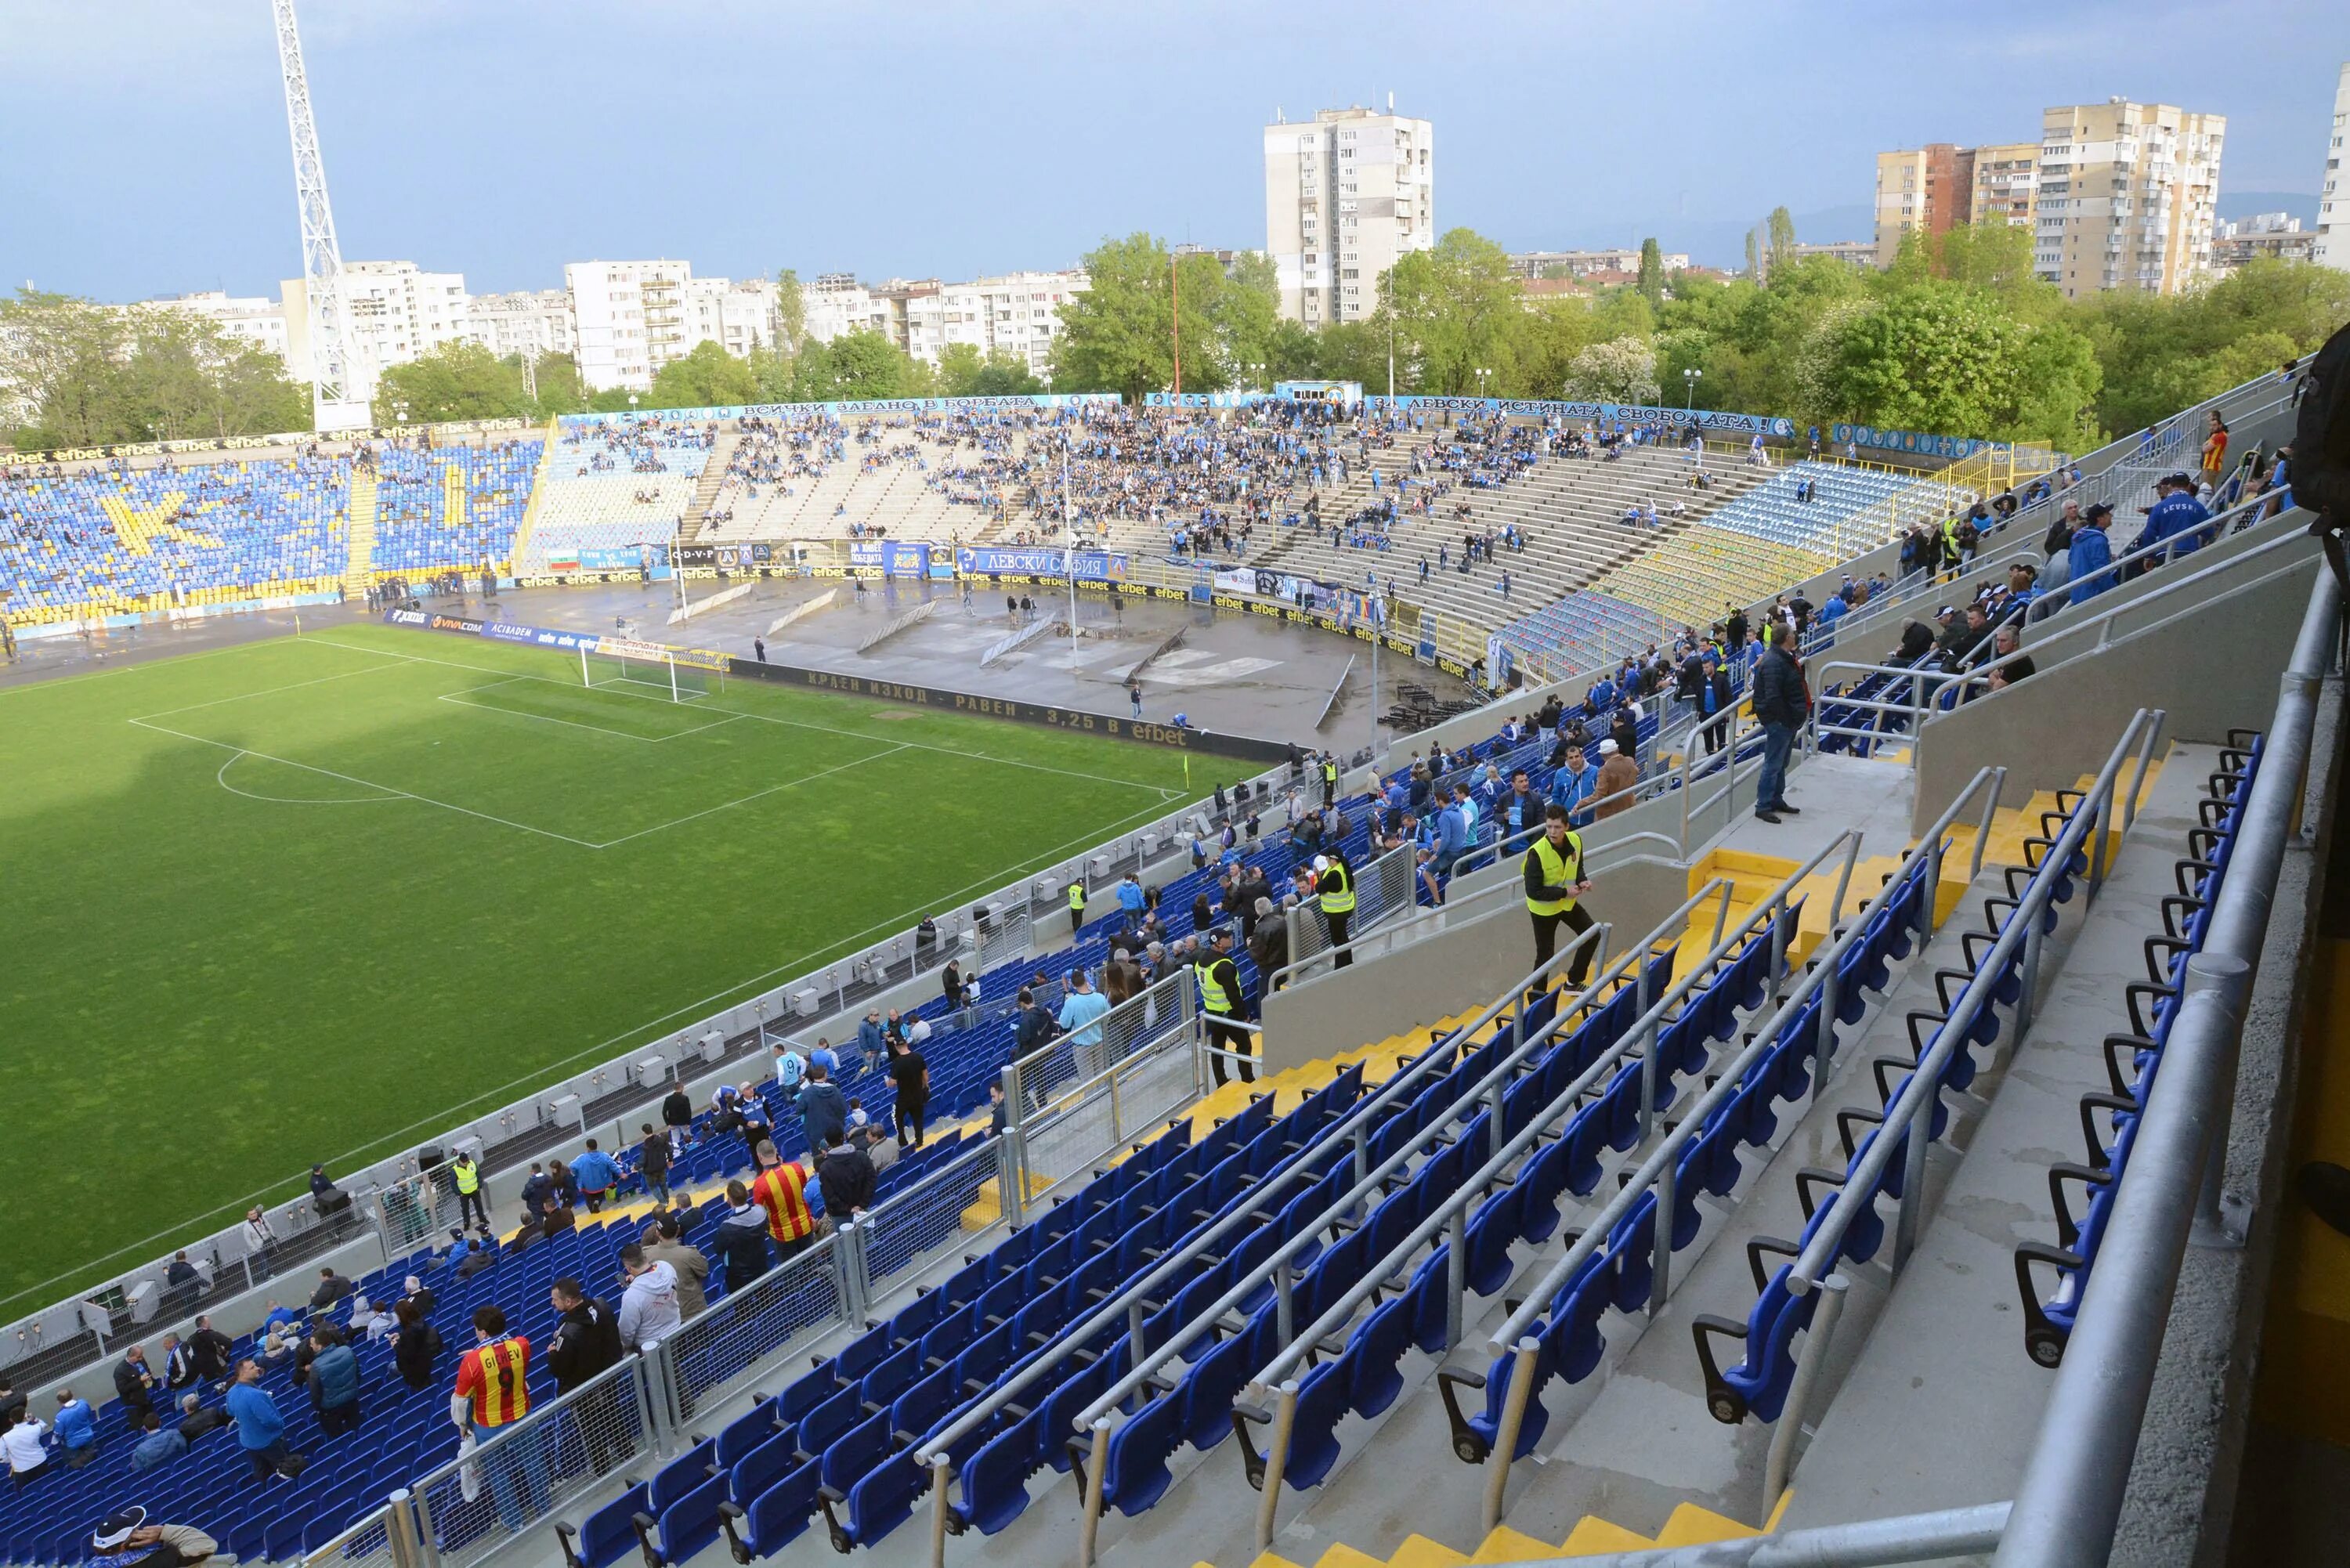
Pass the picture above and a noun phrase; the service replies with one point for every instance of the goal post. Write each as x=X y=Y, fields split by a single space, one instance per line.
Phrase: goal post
x=648 y=673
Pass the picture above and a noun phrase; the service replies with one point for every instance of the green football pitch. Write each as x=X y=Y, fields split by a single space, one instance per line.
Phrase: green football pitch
x=322 y=897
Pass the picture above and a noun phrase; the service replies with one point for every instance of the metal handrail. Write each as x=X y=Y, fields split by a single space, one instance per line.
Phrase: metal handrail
x=1657 y=1170
x=1948 y=1533
x=1926 y=706
x=2069 y=1499
x=1143 y=1363
x=2097 y=487
x=1438 y=912
x=1767 y=912
x=1356 y=1122
x=2021 y=931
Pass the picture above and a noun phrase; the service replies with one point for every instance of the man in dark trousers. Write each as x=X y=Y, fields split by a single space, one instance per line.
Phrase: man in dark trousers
x=1334 y=884
x=586 y=1343
x=1220 y=998
x=1554 y=884
x=846 y=1175
x=1780 y=704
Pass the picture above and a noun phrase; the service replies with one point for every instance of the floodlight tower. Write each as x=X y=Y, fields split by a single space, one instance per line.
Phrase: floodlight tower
x=333 y=375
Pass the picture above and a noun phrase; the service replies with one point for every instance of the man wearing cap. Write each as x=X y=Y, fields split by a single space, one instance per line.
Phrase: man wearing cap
x=2177 y=518
x=2091 y=554
x=126 y=1538
x=1220 y=998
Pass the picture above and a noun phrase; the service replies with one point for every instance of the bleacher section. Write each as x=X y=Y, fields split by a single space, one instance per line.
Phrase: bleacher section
x=153 y=538
x=1587 y=630
x=451 y=507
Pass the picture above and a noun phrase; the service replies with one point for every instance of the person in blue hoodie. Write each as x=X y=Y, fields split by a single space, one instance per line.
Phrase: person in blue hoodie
x=597 y=1176
x=77 y=1429
x=260 y=1429
x=2091 y=554
x=2178 y=519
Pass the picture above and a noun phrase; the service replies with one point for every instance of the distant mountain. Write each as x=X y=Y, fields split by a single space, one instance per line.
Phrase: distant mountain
x=2234 y=205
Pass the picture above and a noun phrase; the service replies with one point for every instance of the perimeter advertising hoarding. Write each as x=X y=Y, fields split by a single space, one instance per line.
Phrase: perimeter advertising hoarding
x=995 y=561
x=948 y=701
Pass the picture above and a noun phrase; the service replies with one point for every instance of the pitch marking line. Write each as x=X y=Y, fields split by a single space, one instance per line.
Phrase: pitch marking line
x=363 y=784
x=221 y=778
x=1163 y=793
x=459 y=698
x=771 y=789
x=269 y=691
x=692 y=1011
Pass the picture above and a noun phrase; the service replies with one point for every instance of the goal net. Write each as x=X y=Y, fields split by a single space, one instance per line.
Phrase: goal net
x=656 y=675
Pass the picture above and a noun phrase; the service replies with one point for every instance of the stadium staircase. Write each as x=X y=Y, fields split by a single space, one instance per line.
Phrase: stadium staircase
x=520 y=554
x=358 y=571
x=1689 y=1525
x=705 y=491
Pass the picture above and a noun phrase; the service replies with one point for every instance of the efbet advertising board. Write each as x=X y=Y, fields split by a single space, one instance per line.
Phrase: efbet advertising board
x=556 y=639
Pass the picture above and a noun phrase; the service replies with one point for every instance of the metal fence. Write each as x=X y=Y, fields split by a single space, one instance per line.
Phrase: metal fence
x=907 y=1227
x=1383 y=888
x=474 y=1506
x=718 y=1351
x=1148 y=1071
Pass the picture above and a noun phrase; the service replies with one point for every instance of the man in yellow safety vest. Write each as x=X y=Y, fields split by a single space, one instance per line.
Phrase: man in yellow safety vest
x=1334 y=883
x=1076 y=905
x=1220 y=998
x=1554 y=881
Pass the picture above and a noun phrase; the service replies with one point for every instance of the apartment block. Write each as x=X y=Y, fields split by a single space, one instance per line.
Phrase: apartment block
x=393 y=312
x=2276 y=236
x=2333 y=197
x=1346 y=196
x=254 y=320
x=1583 y=264
x=2005 y=184
x=627 y=319
x=528 y=322
x=2129 y=193
x=736 y=314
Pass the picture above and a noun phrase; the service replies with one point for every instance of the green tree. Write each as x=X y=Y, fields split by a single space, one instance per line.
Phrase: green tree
x=1652 y=273
x=560 y=390
x=1118 y=334
x=1457 y=311
x=94 y=375
x=1783 y=239
x=1754 y=257
x=857 y=365
x=455 y=381
x=791 y=312
x=964 y=372
x=1621 y=371
x=1247 y=312
x=707 y=378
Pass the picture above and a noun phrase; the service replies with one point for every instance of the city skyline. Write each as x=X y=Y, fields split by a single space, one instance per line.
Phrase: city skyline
x=152 y=153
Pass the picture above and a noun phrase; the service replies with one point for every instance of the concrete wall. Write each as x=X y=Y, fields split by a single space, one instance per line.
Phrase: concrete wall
x=2209 y=665
x=1451 y=970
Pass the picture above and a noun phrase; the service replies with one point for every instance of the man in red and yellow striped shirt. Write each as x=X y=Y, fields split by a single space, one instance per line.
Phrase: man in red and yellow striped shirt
x=781 y=1188
x=492 y=1393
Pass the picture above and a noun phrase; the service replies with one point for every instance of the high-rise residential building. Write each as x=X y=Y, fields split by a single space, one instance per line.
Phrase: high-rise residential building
x=528 y=322
x=1346 y=194
x=2128 y=196
x=837 y=305
x=1861 y=253
x=2333 y=197
x=393 y=312
x=627 y=320
x=1931 y=188
x=1018 y=314
x=2005 y=184
x=255 y=320
x=738 y=315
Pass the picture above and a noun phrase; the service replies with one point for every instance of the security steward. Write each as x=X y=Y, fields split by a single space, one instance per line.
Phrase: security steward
x=1220 y=998
x=1076 y=906
x=1554 y=881
x=1329 y=779
x=1334 y=881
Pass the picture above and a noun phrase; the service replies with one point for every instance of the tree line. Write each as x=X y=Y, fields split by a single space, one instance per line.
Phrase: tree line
x=1956 y=337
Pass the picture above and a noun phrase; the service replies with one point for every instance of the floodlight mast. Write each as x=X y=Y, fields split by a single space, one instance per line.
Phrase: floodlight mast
x=335 y=402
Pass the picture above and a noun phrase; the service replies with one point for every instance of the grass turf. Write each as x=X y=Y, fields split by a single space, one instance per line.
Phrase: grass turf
x=321 y=898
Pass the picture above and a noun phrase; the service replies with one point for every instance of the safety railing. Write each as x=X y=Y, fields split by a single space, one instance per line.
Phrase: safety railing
x=2016 y=540
x=1063 y=1074
x=1448 y=1218
x=1383 y=890
x=1657 y=1172
x=2070 y=1499
x=1153 y=1075
x=369 y=1542
x=910 y=1226
x=1294 y=1170
x=1927 y=684
x=717 y=1351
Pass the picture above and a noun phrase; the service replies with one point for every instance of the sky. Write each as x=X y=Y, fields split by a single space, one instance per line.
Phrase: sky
x=146 y=148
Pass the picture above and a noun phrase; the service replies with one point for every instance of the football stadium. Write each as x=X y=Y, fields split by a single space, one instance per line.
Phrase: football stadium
x=1006 y=971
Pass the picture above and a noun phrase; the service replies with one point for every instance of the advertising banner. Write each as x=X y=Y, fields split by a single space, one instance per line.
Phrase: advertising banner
x=1091 y=565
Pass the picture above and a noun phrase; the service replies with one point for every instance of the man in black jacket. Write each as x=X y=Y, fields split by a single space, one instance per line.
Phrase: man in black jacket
x=846 y=1177
x=208 y=1352
x=1779 y=707
x=586 y=1343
